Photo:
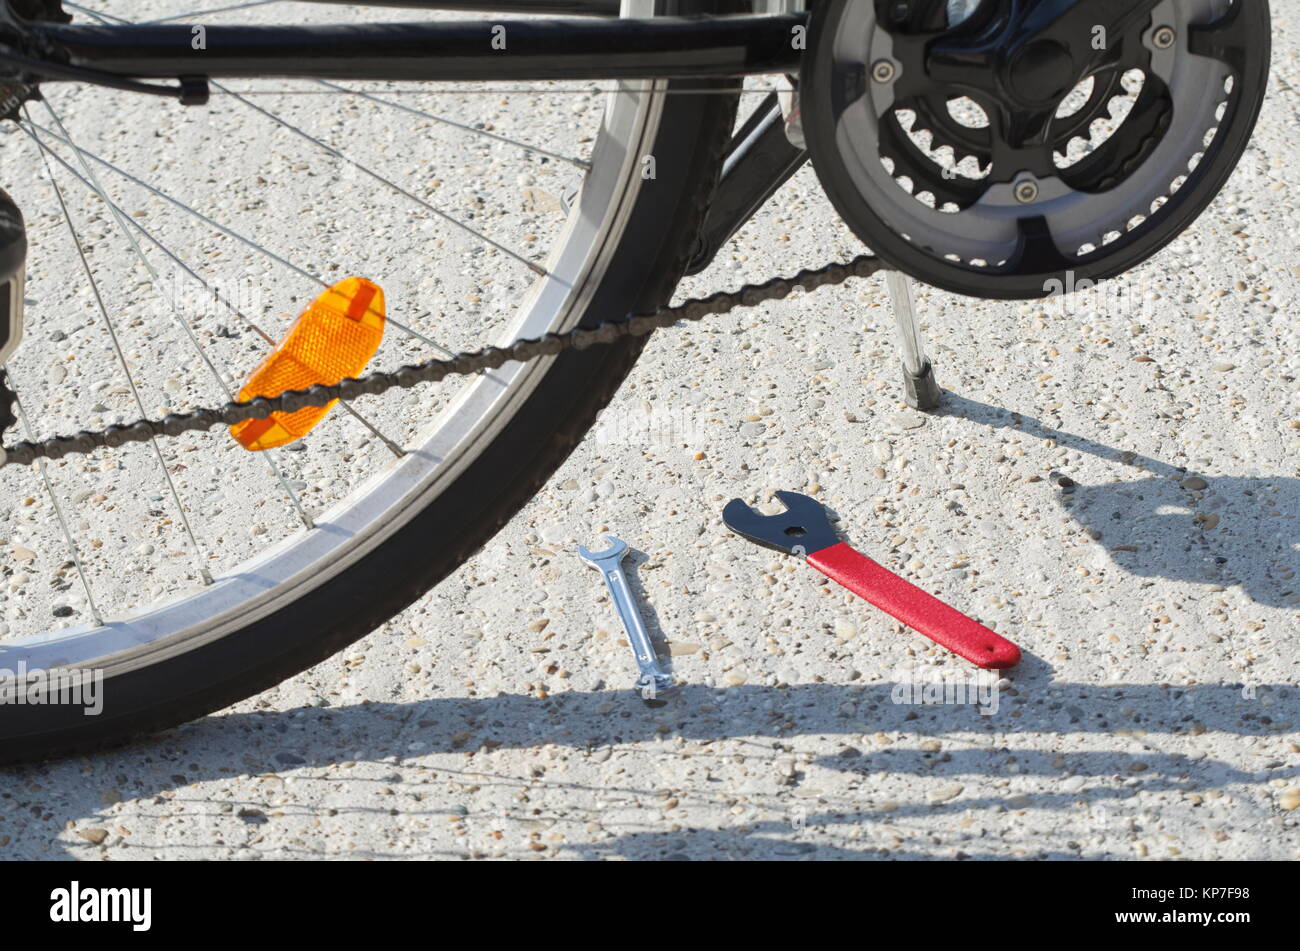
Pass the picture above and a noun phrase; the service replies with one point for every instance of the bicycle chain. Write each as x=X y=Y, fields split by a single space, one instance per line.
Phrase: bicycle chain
x=433 y=371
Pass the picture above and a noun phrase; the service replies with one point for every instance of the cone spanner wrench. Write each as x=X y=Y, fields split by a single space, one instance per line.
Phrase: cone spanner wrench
x=805 y=529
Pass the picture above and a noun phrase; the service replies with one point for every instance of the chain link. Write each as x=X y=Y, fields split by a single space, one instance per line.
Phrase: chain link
x=432 y=371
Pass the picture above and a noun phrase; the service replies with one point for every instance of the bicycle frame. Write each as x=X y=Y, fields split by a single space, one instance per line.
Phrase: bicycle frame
x=566 y=48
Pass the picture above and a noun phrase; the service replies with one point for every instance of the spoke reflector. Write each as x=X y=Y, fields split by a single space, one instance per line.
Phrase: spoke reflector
x=331 y=340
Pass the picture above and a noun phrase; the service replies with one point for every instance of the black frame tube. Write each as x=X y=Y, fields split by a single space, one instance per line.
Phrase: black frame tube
x=559 y=49
x=760 y=160
x=598 y=8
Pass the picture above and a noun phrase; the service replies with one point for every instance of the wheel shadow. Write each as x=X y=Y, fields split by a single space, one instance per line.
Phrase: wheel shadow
x=315 y=744
x=1174 y=523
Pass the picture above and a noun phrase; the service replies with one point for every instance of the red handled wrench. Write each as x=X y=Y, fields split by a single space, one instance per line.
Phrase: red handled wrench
x=804 y=529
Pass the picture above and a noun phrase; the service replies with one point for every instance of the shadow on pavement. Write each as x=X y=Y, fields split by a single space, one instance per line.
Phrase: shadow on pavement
x=1176 y=524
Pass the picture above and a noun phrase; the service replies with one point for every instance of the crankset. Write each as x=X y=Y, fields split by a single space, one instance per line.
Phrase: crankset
x=997 y=147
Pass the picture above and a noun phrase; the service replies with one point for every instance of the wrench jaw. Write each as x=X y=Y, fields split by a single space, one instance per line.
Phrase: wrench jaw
x=618 y=548
x=802 y=529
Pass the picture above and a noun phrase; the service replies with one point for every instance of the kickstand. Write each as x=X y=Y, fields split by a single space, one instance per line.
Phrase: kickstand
x=921 y=390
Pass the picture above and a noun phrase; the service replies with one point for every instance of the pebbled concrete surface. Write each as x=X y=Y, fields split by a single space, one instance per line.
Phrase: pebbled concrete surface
x=1112 y=481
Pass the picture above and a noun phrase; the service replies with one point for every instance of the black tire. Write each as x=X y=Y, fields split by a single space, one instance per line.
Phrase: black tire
x=666 y=219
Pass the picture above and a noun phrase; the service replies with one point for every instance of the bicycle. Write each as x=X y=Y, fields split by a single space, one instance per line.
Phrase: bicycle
x=993 y=148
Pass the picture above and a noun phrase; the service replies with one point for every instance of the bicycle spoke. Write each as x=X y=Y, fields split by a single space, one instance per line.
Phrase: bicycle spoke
x=218 y=226
x=101 y=193
x=91 y=182
x=450 y=219
x=54 y=501
x=126 y=368
x=248 y=322
x=203 y=13
x=306 y=519
x=248 y=242
x=393 y=447
x=576 y=162
x=214 y=291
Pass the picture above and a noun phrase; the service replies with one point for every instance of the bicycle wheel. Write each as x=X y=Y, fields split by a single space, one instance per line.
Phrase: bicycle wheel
x=402 y=525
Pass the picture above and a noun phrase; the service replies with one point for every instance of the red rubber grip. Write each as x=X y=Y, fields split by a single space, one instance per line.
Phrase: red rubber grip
x=922 y=612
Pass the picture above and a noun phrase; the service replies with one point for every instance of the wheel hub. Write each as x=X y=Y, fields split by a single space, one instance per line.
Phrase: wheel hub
x=13 y=91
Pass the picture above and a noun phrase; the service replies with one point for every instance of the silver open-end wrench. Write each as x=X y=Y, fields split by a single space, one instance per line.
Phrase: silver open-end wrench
x=653 y=680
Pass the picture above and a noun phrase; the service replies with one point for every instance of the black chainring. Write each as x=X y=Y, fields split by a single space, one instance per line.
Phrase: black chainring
x=1006 y=150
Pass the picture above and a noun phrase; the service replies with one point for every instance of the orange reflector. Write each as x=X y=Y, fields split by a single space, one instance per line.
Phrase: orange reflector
x=331 y=340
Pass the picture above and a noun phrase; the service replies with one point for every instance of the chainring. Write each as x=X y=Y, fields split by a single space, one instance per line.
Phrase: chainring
x=1126 y=156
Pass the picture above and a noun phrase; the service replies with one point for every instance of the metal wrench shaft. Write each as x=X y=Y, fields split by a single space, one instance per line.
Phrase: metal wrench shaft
x=610 y=564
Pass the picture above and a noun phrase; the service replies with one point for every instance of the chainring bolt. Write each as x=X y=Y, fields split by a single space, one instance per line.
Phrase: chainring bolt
x=1164 y=38
x=884 y=71
x=1027 y=193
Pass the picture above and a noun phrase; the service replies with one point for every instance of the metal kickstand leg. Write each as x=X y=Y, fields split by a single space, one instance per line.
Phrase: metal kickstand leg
x=921 y=389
